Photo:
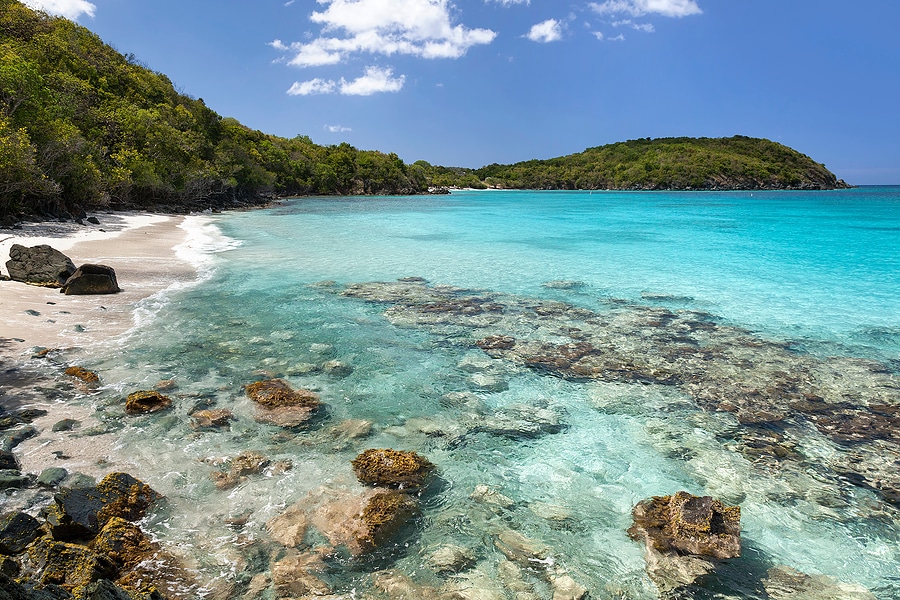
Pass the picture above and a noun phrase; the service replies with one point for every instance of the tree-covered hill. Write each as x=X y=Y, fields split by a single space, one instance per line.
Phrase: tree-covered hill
x=661 y=164
x=84 y=127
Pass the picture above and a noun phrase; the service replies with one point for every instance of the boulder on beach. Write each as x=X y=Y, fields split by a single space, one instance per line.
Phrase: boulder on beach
x=91 y=279
x=383 y=467
x=39 y=265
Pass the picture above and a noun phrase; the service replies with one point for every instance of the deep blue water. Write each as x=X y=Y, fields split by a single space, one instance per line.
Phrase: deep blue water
x=819 y=271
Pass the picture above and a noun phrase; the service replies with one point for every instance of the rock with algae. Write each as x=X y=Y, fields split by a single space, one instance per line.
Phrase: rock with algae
x=83 y=374
x=146 y=401
x=684 y=536
x=384 y=515
x=17 y=530
x=82 y=512
x=383 y=467
x=279 y=404
x=688 y=524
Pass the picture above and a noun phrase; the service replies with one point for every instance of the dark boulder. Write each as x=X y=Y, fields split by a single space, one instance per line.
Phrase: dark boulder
x=82 y=512
x=8 y=461
x=17 y=530
x=39 y=265
x=91 y=279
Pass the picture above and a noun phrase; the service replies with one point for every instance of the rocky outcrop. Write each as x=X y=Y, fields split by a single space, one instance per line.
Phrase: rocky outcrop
x=81 y=512
x=39 y=265
x=87 y=548
x=91 y=279
x=682 y=533
x=279 y=404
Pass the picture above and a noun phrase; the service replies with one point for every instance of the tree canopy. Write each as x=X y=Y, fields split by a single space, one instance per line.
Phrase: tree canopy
x=84 y=127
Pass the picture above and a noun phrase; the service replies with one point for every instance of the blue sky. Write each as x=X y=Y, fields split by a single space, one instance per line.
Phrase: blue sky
x=471 y=82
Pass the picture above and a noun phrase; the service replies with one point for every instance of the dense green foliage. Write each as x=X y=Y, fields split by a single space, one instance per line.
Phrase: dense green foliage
x=668 y=163
x=82 y=127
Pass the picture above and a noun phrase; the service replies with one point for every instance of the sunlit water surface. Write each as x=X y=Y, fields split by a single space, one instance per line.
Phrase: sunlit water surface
x=819 y=271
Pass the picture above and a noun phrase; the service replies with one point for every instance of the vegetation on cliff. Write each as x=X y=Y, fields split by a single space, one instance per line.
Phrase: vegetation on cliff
x=737 y=162
x=84 y=127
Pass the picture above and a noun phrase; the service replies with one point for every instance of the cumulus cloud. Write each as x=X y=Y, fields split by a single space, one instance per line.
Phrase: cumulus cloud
x=337 y=129
x=71 y=9
x=313 y=86
x=421 y=28
x=374 y=81
x=639 y=8
x=547 y=31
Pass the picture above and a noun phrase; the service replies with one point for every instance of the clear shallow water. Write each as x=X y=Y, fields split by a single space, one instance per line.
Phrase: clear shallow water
x=819 y=271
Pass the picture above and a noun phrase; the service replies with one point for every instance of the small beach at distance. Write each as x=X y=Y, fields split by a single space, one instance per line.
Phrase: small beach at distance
x=148 y=253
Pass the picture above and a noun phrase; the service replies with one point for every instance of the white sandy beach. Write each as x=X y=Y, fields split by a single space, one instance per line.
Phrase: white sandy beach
x=146 y=252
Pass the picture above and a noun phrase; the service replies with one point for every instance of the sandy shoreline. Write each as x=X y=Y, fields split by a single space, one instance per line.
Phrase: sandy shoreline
x=146 y=253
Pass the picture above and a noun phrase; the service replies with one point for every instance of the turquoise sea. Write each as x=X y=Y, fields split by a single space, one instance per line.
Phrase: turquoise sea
x=704 y=296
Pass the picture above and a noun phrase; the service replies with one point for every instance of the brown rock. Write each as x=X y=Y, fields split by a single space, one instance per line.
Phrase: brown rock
x=244 y=464
x=289 y=528
x=293 y=577
x=211 y=419
x=384 y=516
x=689 y=524
x=146 y=401
x=279 y=404
x=83 y=374
x=392 y=468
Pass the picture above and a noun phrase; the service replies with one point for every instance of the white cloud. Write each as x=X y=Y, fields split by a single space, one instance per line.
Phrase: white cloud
x=509 y=2
x=645 y=27
x=313 y=86
x=421 y=28
x=337 y=129
x=374 y=81
x=547 y=31
x=71 y=9
x=639 y=8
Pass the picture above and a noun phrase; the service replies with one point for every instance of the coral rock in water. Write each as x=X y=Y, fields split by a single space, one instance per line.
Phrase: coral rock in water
x=279 y=404
x=689 y=524
x=392 y=468
x=83 y=374
x=385 y=515
x=146 y=401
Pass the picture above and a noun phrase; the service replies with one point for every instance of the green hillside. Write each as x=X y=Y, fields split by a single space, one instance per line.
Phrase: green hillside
x=84 y=127
x=662 y=164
